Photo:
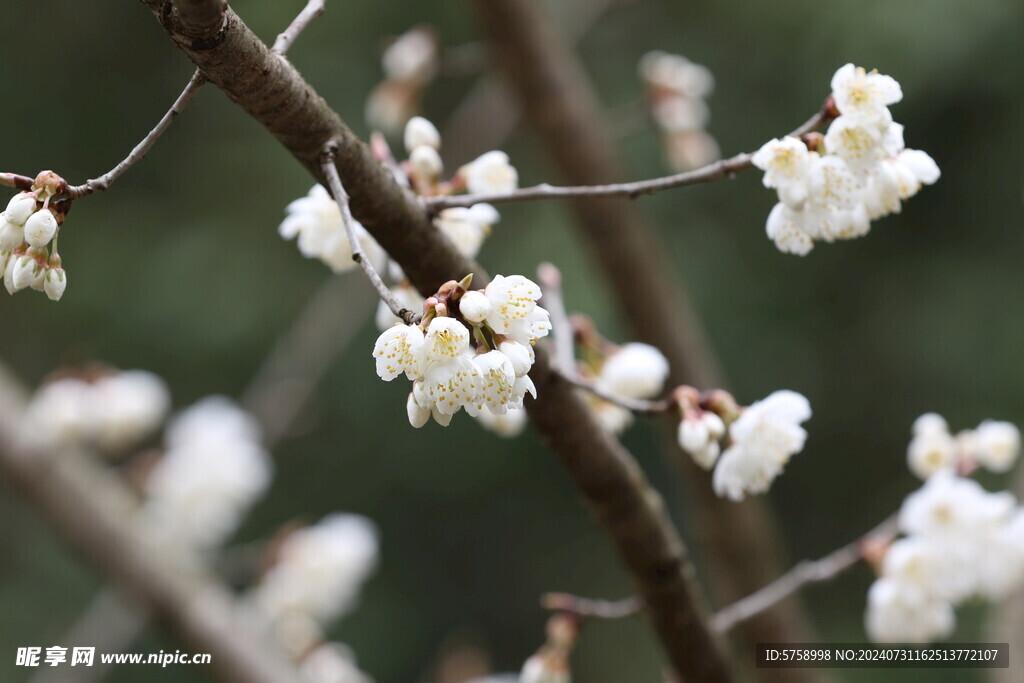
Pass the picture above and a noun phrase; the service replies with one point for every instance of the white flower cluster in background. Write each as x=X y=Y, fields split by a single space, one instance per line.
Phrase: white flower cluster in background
x=27 y=228
x=961 y=543
x=316 y=221
x=332 y=663
x=112 y=411
x=634 y=371
x=472 y=350
x=213 y=470
x=676 y=93
x=317 y=577
x=410 y=64
x=861 y=173
x=761 y=439
x=993 y=445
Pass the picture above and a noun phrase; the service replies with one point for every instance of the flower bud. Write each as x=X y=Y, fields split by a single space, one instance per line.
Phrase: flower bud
x=12 y=259
x=21 y=207
x=426 y=163
x=24 y=271
x=475 y=306
x=40 y=228
x=693 y=435
x=521 y=356
x=56 y=283
x=715 y=425
x=11 y=234
x=420 y=132
x=418 y=415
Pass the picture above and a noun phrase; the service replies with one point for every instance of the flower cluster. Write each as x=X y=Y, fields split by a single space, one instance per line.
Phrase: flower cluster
x=633 y=371
x=960 y=542
x=27 y=227
x=858 y=172
x=472 y=349
x=761 y=438
x=98 y=407
x=676 y=90
x=410 y=64
x=316 y=577
x=993 y=445
x=213 y=470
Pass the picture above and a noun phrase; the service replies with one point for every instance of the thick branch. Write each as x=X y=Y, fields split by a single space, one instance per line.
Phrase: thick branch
x=741 y=540
x=91 y=510
x=273 y=92
x=198 y=19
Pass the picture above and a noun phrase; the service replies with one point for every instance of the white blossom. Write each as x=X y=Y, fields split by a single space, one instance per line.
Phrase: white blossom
x=699 y=436
x=491 y=173
x=20 y=208
x=997 y=445
x=426 y=163
x=864 y=95
x=953 y=508
x=514 y=310
x=412 y=57
x=509 y=424
x=320 y=569
x=420 y=132
x=399 y=350
x=332 y=663
x=764 y=438
x=931 y=451
x=56 y=282
x=675 y=72
x=902 y=612
x=785 y=163
x=407 y=296
x=520 y=355
x=316 y=220
x=12 y=235
x=635 y=371
x=213 y=471
x=474 y=306
x=467 y=227
x=40 y=228
x=129 y=406
x=497 y=382
x=26 y=268
x=928 y=423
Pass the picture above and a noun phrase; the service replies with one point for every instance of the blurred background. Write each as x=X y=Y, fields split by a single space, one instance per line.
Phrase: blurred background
x=179 y=270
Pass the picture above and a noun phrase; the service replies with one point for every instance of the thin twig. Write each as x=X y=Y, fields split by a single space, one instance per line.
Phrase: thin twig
x=719 y=169
x=312 y=10
x=20 y=182
x=634 y=404
x=808 y=571
x=107 y=179
x=341 y=197
x=589 y=607
x=551 y=287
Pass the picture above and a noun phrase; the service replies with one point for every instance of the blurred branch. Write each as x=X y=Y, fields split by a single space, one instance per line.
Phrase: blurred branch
x=551 y=291
x=741 y=540
x=590 y=607
x=312 y=10
x=489 y=100
x=635 y=405
x=91 y=510
x=629 y=510
x=724 y=168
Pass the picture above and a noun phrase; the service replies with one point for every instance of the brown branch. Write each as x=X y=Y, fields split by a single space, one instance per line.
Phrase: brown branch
x=312 y=10
x=19 y=182
x=636 y=405
x=631 y=512
x=719 y=169
x=342 y=200
x=740 y=539
x=139 y=152
x=589 y=607
x=91 y=510
x=198 y=19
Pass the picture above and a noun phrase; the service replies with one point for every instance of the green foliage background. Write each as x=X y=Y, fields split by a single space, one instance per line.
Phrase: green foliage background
x=179 y=270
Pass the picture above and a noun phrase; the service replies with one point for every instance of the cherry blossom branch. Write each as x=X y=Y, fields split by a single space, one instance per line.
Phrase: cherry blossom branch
x=629 y=510
x=817 y=571
x=139 y=152
x=636 y=405
x=15 y=180
x=551 y=287
x=341 y=198
x=312 y=10
x=714 y=171
x=199 y=17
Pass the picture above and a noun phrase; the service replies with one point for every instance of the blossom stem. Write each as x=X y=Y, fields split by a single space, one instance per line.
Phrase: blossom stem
x=312 y=10
x=634 y=404
x=341 y=197
x=719 y=169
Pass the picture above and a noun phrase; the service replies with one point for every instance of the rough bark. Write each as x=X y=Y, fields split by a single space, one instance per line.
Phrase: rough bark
x=742 y=540
x=272 y=91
